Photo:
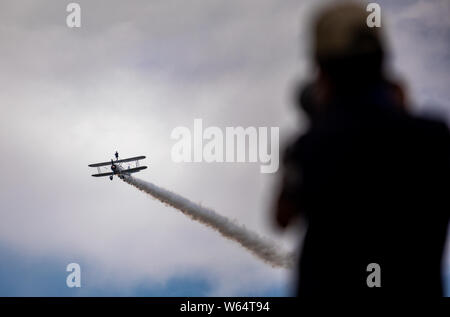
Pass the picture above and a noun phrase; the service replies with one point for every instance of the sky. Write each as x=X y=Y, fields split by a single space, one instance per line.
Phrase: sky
x=133 y=72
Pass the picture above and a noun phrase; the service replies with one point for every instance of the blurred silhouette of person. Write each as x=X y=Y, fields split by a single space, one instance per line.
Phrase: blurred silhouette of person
x=370 y=179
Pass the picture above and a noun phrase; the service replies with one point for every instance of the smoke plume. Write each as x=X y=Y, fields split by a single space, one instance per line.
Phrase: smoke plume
x=259 y=246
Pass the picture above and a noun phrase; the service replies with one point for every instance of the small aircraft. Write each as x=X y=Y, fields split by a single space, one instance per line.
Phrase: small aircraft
x=116 y=167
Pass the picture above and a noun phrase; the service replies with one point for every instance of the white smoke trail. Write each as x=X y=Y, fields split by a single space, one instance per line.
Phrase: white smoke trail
x=259 y=246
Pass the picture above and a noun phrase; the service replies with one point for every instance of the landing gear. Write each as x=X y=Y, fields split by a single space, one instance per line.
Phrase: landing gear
x=111 y=177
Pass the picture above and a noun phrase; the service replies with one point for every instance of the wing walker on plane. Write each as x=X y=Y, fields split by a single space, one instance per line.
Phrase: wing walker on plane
x=117 y=168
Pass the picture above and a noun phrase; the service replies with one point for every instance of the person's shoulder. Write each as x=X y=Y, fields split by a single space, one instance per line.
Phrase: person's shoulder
x=294 y=149
x=430 y=133
x=432 y=127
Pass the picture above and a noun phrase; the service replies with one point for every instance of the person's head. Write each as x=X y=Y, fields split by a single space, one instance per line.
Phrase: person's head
x=348 y=52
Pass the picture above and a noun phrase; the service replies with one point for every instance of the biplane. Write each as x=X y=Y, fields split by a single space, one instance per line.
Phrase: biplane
x=117 y=168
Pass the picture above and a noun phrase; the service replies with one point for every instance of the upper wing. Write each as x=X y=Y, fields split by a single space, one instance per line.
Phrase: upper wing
x=133 y=170
x=103 y=174
x=100 y=164
x=131 y=159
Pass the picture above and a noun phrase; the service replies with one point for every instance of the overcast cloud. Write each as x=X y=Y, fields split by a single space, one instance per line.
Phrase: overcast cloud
x=134 y=71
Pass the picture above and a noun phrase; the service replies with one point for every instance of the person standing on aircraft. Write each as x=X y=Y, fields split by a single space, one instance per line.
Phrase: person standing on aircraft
x=117 y=155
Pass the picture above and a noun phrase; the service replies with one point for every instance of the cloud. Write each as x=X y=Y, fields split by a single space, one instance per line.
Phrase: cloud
x=418 y=32
x=133 y=72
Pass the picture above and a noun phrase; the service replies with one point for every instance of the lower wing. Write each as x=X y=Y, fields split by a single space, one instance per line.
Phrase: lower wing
x=122 y=171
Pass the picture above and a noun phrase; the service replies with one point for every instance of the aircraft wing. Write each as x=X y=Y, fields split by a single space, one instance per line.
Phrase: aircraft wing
x=100 y=164
x=103 y=174
x=132 y=170
x=131 y=159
